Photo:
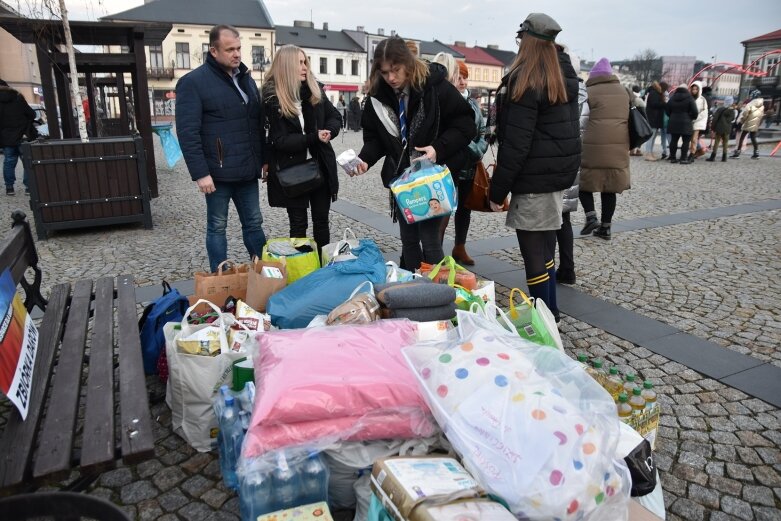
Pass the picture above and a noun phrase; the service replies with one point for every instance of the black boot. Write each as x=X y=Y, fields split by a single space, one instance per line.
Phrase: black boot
x=735 y=154
x=591 y=223
x=564 y=276
x=712 y=157
x=603 y=232
x=724 y=157
x=755 y=155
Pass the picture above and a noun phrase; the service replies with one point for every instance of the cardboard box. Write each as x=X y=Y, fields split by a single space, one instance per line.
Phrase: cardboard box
x=465 y=510
x=313 y=512
x=638 y=512
x=404 y=485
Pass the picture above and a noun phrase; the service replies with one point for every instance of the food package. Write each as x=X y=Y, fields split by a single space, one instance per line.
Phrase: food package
x=204 y=341
x=313 y=512
x=404 y=484
x=424 y=191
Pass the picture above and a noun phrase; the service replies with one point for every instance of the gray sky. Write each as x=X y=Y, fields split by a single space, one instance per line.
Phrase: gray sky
x=616 y=29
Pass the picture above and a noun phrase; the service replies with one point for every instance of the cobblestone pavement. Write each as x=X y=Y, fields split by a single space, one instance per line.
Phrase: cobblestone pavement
x=719 y=451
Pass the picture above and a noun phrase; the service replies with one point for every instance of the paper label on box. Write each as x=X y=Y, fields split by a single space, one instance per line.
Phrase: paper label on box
x=469 y=510
x=423 y=478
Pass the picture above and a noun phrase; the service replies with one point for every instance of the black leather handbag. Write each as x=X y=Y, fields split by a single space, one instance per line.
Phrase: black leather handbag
x=640 y=130
x=300 y=179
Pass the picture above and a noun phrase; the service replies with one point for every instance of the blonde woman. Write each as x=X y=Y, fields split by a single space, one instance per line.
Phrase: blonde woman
x=302 y=124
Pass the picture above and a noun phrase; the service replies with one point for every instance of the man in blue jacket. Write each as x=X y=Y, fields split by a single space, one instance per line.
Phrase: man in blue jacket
x=219 y=121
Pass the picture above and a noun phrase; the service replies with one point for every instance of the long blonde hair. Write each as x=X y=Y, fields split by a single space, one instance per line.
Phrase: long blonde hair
x=536 y=67
x=449 y=61
x=283 y=79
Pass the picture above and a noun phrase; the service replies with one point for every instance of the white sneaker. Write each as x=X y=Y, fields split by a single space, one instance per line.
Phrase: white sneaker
x=650 y=157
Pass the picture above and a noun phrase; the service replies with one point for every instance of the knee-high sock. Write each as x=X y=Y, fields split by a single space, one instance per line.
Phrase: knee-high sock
x=539 y=286
x=551 y=300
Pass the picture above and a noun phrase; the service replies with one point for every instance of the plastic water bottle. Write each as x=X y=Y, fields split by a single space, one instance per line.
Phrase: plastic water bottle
x=314 y=479
x=287 y=484
x=232 y=436
x=255 y=495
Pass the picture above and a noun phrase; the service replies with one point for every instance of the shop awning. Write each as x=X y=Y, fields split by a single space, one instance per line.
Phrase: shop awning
x=341 y=87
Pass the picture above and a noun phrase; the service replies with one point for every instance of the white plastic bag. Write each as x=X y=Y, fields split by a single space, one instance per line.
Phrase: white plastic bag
x=340 y=250
x=531 y=426
x=193 y=380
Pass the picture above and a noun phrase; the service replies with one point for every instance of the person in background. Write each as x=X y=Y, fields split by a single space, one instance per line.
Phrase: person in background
x=722 y=123
x=682 y=112
x=464 y=179
x=605 y=163
x=302 y=124
x=539 y=148
x=16 y=121
x=219 y=122
x=355 y=114
x=341 y=106
x=412 y=112
x=639 y=103
x=700 y=123
x=749 y=120
x=654 y=110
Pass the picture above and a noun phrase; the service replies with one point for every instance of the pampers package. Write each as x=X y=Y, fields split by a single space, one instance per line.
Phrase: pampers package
x=425 y=191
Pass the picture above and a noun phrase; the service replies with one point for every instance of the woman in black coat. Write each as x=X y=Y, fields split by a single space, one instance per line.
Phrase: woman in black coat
x=438 y=124
x=302 y=124
x=654 y=110
x=682 y=111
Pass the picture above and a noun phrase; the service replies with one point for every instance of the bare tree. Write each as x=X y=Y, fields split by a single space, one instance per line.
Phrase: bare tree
x=54 y=8
x=646 y=65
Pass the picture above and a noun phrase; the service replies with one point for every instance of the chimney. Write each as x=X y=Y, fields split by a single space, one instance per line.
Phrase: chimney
x=493 y=46
x=381 y=31
x=303 y=23
x=325 y=26
x=360 y=29
x=459 y=44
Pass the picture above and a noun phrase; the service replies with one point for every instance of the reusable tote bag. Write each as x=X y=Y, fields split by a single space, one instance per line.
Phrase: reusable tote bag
x=300 y=256
x=534 y=321
x=194 y=380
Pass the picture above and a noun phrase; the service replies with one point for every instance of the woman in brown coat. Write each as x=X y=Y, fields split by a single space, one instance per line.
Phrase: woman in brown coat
x=604 y=166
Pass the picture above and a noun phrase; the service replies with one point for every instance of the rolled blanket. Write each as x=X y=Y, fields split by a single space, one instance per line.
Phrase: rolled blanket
x=429 y=314
x=414 y=294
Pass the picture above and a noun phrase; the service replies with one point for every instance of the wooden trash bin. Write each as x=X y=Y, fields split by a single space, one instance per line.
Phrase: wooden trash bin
x=75 y=184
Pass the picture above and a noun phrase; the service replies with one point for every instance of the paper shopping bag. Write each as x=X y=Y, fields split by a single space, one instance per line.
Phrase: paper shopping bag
x=264 y=279
x=230 y=280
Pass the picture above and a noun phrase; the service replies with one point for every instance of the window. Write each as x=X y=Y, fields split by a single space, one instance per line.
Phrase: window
x=205 y=51
x=496 y=75
x=355 y=68
x=323 y=65
x=124 y=49
x=258 y=57
x=156 y=56
x=485 y=74
x=182 y=55
x=339 y=66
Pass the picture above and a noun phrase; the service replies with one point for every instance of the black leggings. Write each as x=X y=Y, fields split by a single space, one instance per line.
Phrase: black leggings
x=320 y=203
x=608 y=203
x=537 y=249
x=463 y=214
x=753 y=136
x=686 y=140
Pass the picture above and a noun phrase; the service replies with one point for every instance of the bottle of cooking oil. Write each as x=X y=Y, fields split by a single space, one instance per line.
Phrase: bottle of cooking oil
x=637 y=401
x=614 y=384
x=624 y=409
x=583 y=360
x=649 y=395
x=629 y=384
x=597 y=364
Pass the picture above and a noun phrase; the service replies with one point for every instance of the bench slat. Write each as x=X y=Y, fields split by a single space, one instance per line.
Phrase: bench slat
x=98 y=447
x=56 y=441
x=135 y=420
x=14 y=253
x=18 y=439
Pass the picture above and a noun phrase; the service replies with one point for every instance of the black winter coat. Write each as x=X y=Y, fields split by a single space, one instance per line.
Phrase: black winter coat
x=16 y=118
x=654 y=108
x=682 y=111
x=539 y=143
x=290 y=144
x=437 y=116
x=219 y=133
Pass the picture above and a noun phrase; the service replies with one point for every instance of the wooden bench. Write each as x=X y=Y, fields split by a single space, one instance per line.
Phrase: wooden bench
x=65 y=430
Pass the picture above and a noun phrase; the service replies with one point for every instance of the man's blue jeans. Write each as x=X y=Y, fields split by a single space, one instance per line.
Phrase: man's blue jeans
x=246 y=198
x=10 y=158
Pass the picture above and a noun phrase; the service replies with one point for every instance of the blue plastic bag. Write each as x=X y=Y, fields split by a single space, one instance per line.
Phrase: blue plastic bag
x=322 y=290
x=425 y=191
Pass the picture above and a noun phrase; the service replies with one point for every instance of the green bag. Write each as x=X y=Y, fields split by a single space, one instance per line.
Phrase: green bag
x=298 y=265
x=532 y=324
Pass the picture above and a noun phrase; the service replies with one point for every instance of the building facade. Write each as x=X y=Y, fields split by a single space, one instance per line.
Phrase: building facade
x=677 y=69
x=756 y=54
x=485 y=71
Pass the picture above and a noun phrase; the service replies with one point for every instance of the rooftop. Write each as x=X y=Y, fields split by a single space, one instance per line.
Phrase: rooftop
x=476 y=55
x=435 y=47
x=311 y=38
x=775 y=35
x=242 y=13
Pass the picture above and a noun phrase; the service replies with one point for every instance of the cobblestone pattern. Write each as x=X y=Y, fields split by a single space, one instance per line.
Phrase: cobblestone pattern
x=717 y=279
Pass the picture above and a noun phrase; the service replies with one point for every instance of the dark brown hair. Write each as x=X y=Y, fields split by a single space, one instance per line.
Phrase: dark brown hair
x=536 y=67
x=394 y=50
x=216 y=31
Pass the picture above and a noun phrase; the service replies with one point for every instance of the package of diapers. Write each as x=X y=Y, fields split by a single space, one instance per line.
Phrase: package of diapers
x=425 y=191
